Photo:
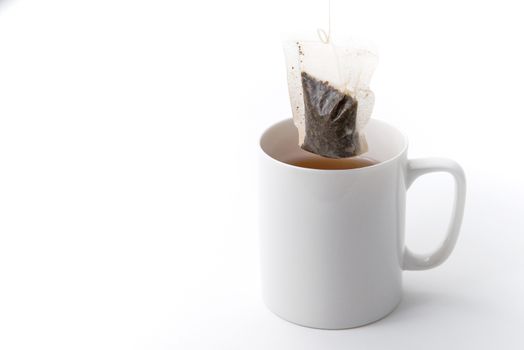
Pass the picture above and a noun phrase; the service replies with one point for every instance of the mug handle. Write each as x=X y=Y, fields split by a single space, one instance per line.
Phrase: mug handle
x=416 y=168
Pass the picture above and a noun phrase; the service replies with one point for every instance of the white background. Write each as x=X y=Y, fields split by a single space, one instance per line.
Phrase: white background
x=128 y=135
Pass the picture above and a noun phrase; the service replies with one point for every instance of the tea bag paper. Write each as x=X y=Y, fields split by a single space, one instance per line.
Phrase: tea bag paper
x=330 y=96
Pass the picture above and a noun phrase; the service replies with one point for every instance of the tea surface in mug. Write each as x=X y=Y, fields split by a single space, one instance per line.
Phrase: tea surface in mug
x=317 y=162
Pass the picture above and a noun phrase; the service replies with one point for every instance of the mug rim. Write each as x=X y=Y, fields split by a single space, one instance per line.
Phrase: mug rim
x=387 y=161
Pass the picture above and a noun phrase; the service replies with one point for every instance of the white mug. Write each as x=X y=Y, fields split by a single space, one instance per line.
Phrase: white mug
x=332 y=241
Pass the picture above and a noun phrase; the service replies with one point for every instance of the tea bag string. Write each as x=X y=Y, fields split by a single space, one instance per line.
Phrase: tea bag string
x=322 y=35
x=326 y=39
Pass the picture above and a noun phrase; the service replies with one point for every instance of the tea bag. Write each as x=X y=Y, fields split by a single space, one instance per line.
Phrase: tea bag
x=330 y=96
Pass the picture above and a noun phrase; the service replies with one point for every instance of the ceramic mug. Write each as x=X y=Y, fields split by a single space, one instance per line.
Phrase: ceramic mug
x=332 y=241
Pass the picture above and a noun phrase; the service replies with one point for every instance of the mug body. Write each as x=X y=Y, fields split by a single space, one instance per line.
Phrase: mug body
x=332 y=240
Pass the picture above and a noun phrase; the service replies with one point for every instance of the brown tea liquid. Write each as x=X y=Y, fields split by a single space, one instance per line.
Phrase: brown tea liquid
x=317 y=162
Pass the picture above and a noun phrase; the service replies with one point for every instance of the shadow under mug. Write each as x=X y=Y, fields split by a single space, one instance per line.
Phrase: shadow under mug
x=332 y=241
